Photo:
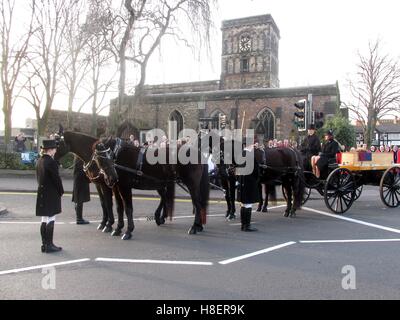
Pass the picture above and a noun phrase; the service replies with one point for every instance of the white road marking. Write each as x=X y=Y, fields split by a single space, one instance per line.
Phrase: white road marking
x=196 y=263
x=43 y=266
x=349 y=241
x=26 y=222
x=372 y=225
x=249 y=255
x=270 y=208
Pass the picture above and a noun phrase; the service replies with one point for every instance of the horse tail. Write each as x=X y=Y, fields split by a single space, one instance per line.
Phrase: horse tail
x=300 y=181
x=170 y=199
x=204 y=193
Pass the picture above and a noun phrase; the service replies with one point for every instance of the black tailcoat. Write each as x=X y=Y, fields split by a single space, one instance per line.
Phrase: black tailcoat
x=248 y=187
x=50 y=189
x=81 y=189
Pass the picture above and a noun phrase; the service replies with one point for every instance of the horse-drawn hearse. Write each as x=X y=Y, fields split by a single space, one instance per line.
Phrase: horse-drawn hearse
x=343 y=181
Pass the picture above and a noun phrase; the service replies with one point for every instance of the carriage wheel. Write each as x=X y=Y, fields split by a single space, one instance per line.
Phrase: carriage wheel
x=390 y=187
x=340 y=190
x=358 y=192
x=306 y=195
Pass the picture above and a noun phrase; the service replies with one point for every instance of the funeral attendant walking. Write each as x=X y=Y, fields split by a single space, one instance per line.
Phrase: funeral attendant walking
x=50 y=190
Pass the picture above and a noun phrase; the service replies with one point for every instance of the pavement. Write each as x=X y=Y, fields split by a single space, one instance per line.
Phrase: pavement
x=25 y=181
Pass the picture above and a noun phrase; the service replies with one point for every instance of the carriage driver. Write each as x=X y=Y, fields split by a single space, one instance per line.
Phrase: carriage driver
x=248 y=194
x=329 y=150
x=311 y=145
x=50 y=190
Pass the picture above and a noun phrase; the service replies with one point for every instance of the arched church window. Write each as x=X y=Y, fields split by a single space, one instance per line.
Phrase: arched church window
x=265 y=125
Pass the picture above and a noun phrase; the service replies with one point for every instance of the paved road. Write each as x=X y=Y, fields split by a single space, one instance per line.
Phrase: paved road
x=221 y=263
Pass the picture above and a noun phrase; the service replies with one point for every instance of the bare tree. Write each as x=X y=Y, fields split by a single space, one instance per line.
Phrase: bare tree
x=376 y=90
x=13 y=51
x=76 y=66
x=99 y=58
x=138 y=30
x=46 y=57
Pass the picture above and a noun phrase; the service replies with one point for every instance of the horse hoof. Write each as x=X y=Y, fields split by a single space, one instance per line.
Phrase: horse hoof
x=126 y=236
x=100 y=226
x=160 y=222
x=116 y=233
x=107 y=229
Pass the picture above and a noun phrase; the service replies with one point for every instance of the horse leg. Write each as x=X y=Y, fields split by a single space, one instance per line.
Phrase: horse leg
x=232 y=189
x=260 y=196
x=268 y=189
x=195 y=195
x=120 y=210
x=288 y=189
x=224 y=184
x=103 y=207
x=109 y=207
x=160 y=219
x=126 y=194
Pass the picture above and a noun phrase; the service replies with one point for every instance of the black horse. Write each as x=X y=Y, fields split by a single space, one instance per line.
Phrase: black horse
x=135 y=172
x=82 y=146
x=283 y=166
x=275 y=166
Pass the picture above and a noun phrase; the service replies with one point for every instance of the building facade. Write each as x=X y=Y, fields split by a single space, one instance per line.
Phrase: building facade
x=247 y=93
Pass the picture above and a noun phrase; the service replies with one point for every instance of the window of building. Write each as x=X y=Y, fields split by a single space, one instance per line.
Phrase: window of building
x=265 y=125
x=175 y=122
x=244 y=65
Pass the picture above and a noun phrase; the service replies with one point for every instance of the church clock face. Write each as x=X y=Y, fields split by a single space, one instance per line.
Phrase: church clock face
x=245 y=44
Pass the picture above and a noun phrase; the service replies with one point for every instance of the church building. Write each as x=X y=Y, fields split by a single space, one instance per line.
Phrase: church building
x=247 y=95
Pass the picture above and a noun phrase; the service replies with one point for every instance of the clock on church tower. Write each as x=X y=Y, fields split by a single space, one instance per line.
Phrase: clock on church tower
x=250 y=53
x=245 y=44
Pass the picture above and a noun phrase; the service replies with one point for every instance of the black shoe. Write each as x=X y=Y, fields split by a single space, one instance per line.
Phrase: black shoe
x=265 y=209
x=249 y=228
x=259 y=208
x=82 y=221
x=50 y=247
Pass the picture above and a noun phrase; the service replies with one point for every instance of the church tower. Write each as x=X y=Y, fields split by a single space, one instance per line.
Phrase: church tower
x=250 y=48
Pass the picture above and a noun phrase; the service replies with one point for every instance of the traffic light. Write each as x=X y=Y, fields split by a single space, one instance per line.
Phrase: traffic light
x=318 y=119
x=300 y=116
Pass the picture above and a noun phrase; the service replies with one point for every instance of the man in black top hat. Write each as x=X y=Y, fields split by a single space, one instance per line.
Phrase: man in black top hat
x=311 y=145
x=50 y=190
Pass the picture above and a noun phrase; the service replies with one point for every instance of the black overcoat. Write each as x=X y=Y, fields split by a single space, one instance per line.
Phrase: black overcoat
x=247 y=191
x=81 y=189
x=50 y=188
x=311 y=146
x=329 y=151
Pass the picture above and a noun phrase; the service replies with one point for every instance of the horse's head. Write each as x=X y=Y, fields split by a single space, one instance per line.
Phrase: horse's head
x=62 y=147
x=104 y=160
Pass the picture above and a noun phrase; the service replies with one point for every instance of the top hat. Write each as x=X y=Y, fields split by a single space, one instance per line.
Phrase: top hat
x=329 y=133
x=311 y=127
x=49 y=144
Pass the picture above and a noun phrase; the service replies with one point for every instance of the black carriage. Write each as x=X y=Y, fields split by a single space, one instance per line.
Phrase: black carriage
x=343 y=182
